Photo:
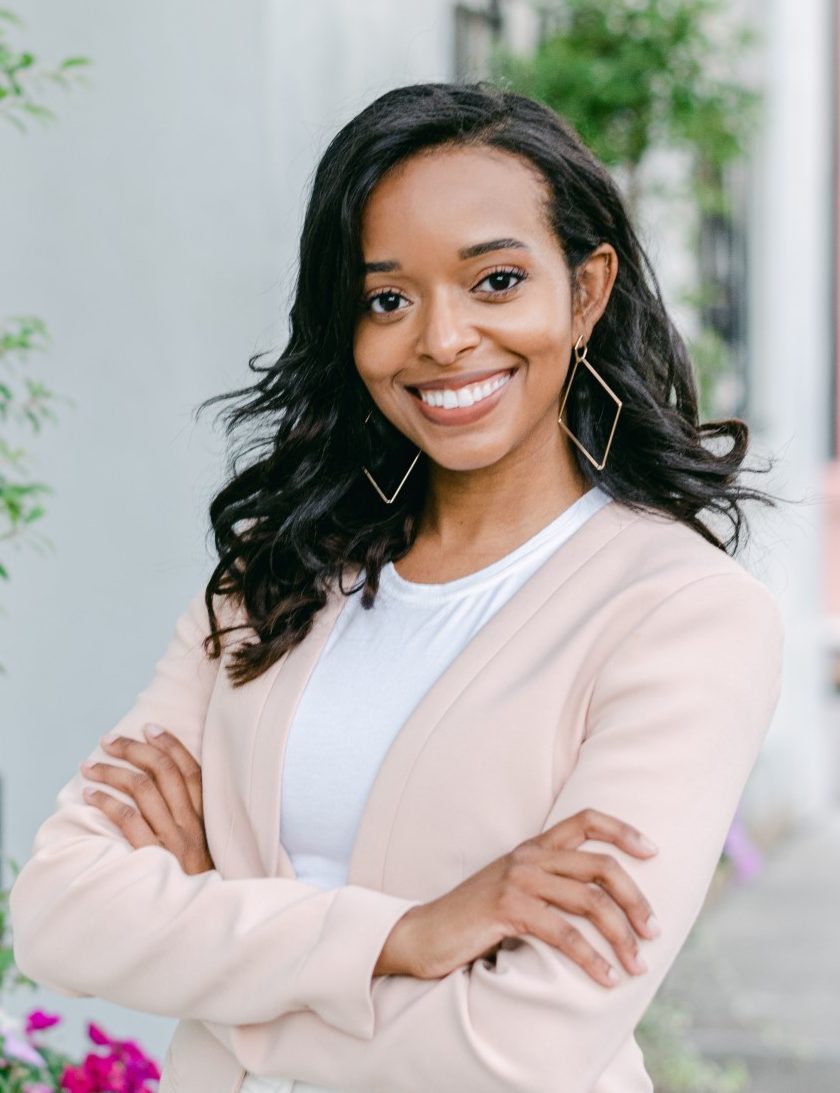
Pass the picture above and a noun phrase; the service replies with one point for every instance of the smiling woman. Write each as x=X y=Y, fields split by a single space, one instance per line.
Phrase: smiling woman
x=448 y=310
x=400 y=839
x=455 y=232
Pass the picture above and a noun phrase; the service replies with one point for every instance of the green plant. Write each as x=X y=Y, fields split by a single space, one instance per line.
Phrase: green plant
x=21 y=76
x=635 y=76
x=24 y=399
x=673 y=1065
x=10 y=976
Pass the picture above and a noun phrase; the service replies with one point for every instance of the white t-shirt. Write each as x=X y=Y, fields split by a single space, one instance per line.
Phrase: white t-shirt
x=373 y=670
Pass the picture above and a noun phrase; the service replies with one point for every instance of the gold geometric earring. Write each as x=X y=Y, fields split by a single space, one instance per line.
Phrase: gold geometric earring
x=388 y=500
x=580 y=358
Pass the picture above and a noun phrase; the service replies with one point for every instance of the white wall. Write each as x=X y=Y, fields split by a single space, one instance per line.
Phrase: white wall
x=154 y=228
x=790 y=318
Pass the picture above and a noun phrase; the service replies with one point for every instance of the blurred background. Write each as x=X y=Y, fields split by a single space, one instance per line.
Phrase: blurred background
x=154 y=162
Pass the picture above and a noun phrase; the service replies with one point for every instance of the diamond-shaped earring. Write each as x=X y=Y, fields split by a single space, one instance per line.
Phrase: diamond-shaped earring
x=389 y=500
x=580 y=358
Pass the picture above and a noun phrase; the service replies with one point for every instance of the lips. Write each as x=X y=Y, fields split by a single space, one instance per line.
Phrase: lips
x=454 y=416
x=453 y=383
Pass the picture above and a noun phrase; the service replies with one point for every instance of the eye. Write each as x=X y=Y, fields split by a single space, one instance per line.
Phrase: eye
x=389 y=296
x=504 y=273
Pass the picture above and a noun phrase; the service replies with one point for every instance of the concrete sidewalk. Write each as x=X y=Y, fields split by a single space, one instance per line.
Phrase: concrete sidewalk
x=759 y=977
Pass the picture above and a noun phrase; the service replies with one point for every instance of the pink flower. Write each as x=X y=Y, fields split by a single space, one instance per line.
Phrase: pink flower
x=122 y=1069
x=98 y=1035
x=75 y=1080
x=742 y=852
x=17 y=1048
x=37 y=1020
x=137 y=1062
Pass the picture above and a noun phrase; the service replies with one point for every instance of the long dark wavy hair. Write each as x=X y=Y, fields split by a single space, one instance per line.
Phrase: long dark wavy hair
x=297 y=511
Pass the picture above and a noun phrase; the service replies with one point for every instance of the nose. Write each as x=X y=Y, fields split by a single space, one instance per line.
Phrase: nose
x=446 y=329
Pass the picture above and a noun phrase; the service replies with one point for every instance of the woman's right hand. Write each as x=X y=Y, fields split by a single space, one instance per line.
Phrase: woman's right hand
x=520 y=893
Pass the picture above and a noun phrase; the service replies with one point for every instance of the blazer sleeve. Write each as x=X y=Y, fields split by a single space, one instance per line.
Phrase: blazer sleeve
x=678 y=713
x=93 y=916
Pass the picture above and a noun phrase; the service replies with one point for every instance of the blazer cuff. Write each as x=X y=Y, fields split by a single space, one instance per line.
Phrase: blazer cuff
x=336 y=977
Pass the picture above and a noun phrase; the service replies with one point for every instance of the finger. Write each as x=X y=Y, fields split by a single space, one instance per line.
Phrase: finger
x=162 y=769
x=183 y=758
x=143 y=790
x=594 y=903
x=604 y=870
x=127 y=819
x=556 y=930
x=590 y=823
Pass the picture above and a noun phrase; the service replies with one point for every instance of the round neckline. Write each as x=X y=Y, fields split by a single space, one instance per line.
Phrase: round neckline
x=392 y=583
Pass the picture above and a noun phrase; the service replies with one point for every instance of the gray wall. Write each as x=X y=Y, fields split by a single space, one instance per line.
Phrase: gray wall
x=154 y=228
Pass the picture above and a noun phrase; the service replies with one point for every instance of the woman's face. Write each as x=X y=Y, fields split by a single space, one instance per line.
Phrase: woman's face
x=467 y=278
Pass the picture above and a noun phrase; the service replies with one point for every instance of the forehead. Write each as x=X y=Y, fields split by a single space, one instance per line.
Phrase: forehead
x=453 y=196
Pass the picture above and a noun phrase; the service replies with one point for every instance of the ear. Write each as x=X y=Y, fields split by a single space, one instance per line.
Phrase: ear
x=593 y=285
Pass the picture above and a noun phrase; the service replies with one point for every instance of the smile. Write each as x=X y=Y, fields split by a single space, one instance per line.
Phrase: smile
x=463 y=396
x=462 y=405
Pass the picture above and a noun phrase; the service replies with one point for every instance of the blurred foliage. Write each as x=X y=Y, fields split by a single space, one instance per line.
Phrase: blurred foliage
x=673 y=1065
x=21 y=76
x=633 y=75
x=27 y=402
x=10 y=976
x=24 y=399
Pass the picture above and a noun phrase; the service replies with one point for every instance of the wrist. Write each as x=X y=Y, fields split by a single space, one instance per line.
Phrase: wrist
x=399 y=955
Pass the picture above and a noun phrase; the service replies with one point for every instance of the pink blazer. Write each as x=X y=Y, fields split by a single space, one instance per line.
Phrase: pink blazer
x=635 y=672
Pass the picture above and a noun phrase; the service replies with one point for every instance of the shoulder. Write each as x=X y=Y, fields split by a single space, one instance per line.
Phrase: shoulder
x=662 y=564
x=687 y=625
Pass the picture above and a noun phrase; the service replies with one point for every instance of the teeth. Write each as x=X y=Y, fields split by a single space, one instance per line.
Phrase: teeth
x=450 y=398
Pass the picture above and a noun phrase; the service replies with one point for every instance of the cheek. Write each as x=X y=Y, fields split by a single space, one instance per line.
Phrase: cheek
x=537 y=335
x=378 y=352
x=537 y=325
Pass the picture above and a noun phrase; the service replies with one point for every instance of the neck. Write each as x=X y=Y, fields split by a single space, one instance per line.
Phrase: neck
x=492 y=509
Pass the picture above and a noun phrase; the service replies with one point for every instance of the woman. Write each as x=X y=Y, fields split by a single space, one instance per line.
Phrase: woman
x=396 y=840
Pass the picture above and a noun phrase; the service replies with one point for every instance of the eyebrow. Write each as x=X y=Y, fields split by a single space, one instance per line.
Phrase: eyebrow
x=474 y=251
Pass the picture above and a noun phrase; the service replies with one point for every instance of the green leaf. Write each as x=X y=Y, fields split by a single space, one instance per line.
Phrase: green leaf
x=14 y=121
x=38 y=111
x=75 y=62
x=34 y=514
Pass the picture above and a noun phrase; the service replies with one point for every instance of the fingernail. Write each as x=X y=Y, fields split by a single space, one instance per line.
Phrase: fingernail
x=110 y=737
x=88 y=764
x=154 y=730
x=88 y=792
x=646 y=844
x=653 y=926
x=612 y=975
x=639 y=964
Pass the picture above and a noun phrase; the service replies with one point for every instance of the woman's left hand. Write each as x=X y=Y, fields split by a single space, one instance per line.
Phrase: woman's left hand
x=165 y=786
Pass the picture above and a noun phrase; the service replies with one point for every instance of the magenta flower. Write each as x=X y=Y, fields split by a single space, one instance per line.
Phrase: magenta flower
x=75 y=1080
x=123 y=1069
x=37 y=1020
x=97 y=1035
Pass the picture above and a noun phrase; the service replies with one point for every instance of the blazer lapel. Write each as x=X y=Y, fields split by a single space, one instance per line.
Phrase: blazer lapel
x=286 y=688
